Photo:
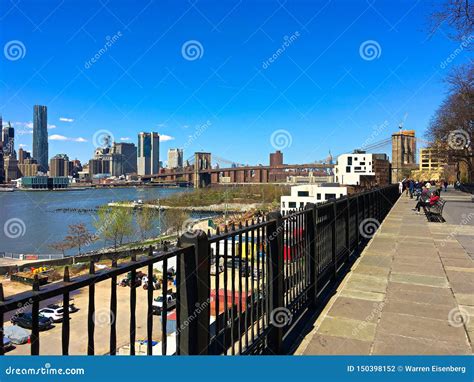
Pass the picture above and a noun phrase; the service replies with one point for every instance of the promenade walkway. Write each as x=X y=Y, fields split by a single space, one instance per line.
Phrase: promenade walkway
x=410 y=292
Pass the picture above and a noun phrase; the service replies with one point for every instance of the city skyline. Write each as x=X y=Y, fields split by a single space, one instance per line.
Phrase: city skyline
x=256 y=83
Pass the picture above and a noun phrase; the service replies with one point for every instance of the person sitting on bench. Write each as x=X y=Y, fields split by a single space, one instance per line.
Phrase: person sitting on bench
x=431 y=202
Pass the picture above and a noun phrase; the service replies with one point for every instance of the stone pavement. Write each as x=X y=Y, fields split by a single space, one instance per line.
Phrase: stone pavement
x=410 y=292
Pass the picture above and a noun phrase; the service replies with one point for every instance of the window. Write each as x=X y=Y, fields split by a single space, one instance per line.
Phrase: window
x=348 y=169
x=341 y=195
x=303 y=193
x=362 y=163
x=292 y=205
x=355 y=158
x=301 y=204
x=330 y=196
x=349 y=160
x=283 y=204
x=357 y=168
x=318 y=196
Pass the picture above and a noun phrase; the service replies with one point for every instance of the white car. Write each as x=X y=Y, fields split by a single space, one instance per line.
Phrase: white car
x=56 y=313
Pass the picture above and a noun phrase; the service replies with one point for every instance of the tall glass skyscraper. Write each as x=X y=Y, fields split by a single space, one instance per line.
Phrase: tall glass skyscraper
x=148 y=154
x=40 y=136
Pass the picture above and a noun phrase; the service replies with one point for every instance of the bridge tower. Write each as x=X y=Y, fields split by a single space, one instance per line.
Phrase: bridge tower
x=202 y=162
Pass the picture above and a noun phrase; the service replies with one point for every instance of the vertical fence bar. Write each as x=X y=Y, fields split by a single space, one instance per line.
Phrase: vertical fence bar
x=65 y=326
x=133 y=306
x=348 y=230
x=311 y=230
x=91 y=313
x=275 y=236
x=334 y=242
x=113 y=311
x=164 y=308
x=149 y=297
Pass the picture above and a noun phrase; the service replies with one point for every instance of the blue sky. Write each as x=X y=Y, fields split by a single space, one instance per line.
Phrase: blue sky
x=322 y=91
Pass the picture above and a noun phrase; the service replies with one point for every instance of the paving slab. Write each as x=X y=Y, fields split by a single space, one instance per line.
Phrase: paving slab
x=404 y=294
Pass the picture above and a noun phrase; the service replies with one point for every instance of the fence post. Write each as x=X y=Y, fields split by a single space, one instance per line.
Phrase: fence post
x=311 y=230
x=333 y=244
x=275 y=232
x=194 y=293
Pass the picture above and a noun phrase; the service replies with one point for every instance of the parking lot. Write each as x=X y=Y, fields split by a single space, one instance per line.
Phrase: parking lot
x=50 y=340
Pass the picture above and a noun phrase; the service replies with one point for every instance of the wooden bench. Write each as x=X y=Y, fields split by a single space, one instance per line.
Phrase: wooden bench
x=434 y=213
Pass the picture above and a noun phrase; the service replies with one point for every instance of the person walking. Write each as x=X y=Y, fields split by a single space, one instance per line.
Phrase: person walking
x=411 y=187
x=400 y=187
x=445 y=186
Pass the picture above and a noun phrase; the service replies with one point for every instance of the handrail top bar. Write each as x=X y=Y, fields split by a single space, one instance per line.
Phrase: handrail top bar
x=237 y=232
x=58 y=288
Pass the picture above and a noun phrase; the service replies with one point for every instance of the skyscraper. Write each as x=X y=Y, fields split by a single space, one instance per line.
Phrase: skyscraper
x=59 y=165
x=129 y=156
x=148 y=154
x=40 y=136
x=8 y=139
x=175 y=158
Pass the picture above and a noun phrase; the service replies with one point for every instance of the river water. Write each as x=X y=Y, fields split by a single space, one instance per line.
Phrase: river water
x=39 y=224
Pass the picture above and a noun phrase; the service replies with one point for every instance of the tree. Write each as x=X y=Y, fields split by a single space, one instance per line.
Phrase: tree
x=114 y=224
x=146 y=218
x=175 y=219
x=452 y=127
x=458 y=15
x=79 y=236
x=62 y=246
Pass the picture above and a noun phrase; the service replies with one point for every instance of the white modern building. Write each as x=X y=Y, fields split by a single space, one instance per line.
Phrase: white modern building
x=350 y=167
x=311 y=193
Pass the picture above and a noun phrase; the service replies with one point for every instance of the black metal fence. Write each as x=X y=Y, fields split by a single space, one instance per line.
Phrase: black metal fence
x=237 y=292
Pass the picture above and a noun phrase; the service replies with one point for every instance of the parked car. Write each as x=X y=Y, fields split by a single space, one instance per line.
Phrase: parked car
x=158 y=303
x=7 y=343
x=55 y=312
x=25 y=320
x=16 y=335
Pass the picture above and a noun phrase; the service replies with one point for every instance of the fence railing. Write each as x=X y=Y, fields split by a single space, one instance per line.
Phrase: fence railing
x=239 y=291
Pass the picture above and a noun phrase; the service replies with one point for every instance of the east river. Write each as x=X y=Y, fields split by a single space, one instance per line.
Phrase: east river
x=39 y=223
